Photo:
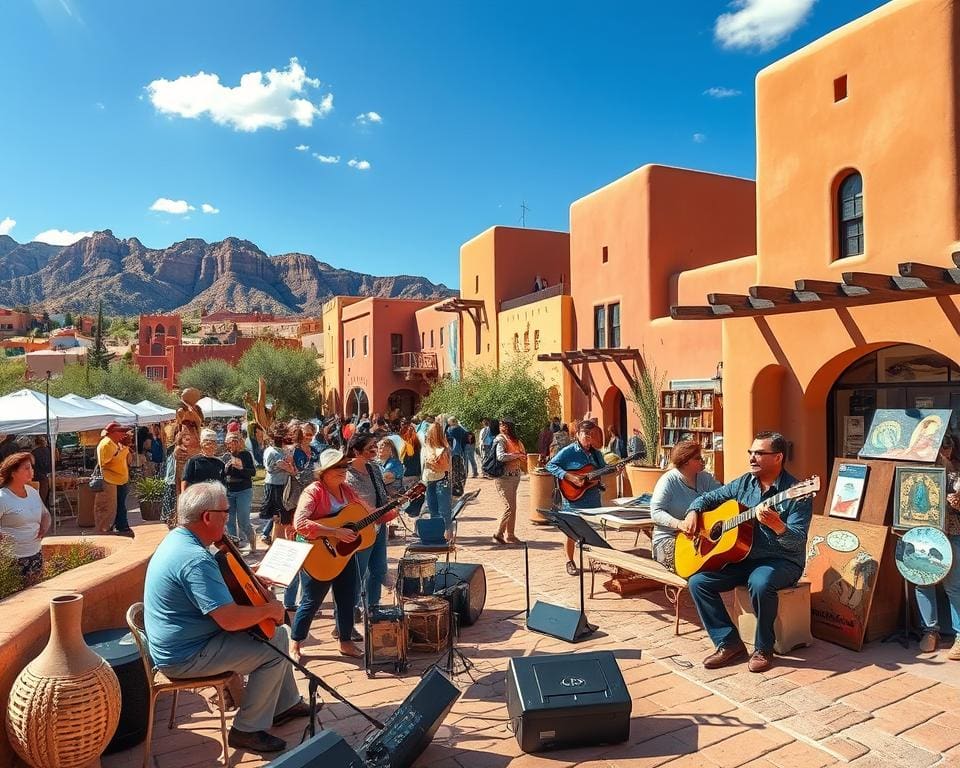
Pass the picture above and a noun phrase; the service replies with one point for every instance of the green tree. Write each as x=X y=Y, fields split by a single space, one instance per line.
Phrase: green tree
x=121 y=380
x=490 y=393
x=645 y=396
x=291 y=376
x=13 y=375
x=216 y=378
x=68 y=319
x=98 y=357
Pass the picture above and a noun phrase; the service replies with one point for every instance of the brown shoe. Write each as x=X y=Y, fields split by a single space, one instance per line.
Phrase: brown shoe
x=761 y=661
x=928 y=643
x=724 y=655
x=954 y=654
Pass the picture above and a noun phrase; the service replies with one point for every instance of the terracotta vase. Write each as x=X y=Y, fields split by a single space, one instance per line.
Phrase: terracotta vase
x=542 y=485
x=64 y=706
x=643 y=479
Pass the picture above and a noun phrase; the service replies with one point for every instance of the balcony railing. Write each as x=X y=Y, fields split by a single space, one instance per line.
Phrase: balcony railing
x=415 y=362
x=550 y=291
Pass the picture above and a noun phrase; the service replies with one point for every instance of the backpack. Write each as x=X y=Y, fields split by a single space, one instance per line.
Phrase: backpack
x=492 y=466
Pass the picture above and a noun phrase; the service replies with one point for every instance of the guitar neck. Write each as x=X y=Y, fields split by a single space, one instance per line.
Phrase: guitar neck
x=609 y=468
x=751 y=514
x=379 y=512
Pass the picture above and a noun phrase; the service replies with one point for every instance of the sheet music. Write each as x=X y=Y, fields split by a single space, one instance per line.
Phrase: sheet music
x=283 y=560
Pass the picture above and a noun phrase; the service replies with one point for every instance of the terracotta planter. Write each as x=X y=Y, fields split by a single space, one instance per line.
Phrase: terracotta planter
x=533 y=461
x=150 y=510
x=65 y=705
x=542 y=485
x=642 y=479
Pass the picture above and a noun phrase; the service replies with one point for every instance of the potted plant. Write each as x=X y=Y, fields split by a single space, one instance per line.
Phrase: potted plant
x=645 y=396
x=150 y=492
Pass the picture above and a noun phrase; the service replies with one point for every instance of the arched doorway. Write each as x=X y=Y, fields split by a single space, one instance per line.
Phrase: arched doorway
x=898 y=376
x=357 y=403
x=403 y=402
x=615 y=414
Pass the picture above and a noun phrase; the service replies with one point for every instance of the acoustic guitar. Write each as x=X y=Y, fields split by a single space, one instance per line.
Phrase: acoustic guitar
x=330 y=556
x=245 y=588
x=722 y=534
x=591 y=476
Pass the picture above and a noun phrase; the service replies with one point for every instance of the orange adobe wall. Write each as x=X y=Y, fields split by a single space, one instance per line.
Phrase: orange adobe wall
x=897 y=126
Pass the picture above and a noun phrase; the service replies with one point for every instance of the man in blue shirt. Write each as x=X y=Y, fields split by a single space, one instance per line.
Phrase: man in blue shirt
x=195 y=628
x=775 y=561
x=583 y=452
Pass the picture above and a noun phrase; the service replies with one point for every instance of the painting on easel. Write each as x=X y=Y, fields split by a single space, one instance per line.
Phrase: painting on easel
x=913 y=434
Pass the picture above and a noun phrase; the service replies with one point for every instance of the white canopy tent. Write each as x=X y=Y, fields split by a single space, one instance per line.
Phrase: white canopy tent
x=25 y=413
x=141 y=414
x=100 y=410
x=215 y=409
x=165 y=414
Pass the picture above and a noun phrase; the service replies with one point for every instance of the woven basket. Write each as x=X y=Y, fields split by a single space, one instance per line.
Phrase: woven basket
x=65 y=705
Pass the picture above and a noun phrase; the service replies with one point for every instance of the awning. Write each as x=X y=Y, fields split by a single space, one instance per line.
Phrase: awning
x=216 y=409
x=25 y=413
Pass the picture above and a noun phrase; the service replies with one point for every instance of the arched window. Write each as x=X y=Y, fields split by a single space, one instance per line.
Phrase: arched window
x=850 y=215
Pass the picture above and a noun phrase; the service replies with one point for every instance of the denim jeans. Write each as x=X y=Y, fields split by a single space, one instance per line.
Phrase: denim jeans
x=314 y=593
x=292 y=592
x=120 y=522
x=762 y=577
x=438 y=500
x=271 y=687
x=927 y=596
x=376 y=566
x=470 y=455
x=238 y=521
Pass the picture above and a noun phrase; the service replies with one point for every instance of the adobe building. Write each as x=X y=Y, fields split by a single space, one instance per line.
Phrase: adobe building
x=330 y=347
x=854 y=305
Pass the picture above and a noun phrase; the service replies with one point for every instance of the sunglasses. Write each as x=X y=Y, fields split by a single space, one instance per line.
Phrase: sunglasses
x=761 y=453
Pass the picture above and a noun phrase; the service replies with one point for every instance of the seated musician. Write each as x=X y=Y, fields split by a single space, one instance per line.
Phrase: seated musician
x=196 y=629
x=775 y=561
x=582 y=453
x=673 y=494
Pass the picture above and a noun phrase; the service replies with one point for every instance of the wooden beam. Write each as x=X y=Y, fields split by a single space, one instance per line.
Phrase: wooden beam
x=956 y=257
x=827 y=288
x=772 y=293
x=573 y=374
x=736 y=300
x=869 y=280
x=700 y=313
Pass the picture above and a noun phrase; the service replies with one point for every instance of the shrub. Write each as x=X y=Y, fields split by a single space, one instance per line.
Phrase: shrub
x=81 y=553
x=10 y=580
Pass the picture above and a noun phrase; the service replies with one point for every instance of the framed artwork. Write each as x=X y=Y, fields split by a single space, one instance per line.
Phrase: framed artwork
x=917 y=366
x=919 y=497
x=848 y=493
x=913 y=434
x=843 y=560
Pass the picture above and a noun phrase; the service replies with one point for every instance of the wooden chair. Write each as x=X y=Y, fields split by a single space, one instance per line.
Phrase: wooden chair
x=160 y=683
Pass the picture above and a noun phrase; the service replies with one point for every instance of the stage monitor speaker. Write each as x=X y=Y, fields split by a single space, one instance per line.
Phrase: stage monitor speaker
x=470 y=600
x=557 y=621
x=326 y=749
x=409 y=730
x=566 y=700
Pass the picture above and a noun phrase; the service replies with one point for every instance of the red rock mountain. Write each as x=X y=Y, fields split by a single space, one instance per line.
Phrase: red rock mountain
x=192 y=274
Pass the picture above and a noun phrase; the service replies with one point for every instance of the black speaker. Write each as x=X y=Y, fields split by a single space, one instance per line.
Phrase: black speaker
x=567 y=700
x=557 y=621
x=409 y=730
x=468 y=601
x=326 y=749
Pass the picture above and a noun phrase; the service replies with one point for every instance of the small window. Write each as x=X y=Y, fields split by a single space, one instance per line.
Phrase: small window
x=840 y=88
x=526 y=341
x=366 y=346
x=606 y=254
x=423 y=339
x=536 y=339
x=156 y=372
x=850 y=215
x=599 y=327
x=476 y=284
x=396 y=343
x=516 y=342
x=346 y=348
x=441 y=337
x=431 y=340
x=613 y=312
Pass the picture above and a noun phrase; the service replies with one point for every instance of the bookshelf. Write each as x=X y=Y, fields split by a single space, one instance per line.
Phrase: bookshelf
x=693 y=414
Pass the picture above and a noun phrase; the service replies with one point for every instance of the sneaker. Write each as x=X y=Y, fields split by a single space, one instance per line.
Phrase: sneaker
x=257 y=741
x=572 y=569
x=954 y=654
x=928 y=643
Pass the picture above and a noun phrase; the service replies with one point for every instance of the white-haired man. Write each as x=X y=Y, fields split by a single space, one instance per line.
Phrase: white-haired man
x=195 y=628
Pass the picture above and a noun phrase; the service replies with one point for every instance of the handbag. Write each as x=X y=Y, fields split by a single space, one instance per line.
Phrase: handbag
x=96 y=479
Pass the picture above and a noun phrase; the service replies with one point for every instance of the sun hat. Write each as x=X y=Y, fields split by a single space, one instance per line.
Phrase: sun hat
x=207 y=434
x=330 y=458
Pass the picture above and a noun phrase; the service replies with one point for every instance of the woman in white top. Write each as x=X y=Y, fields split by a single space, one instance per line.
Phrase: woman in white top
x=23 y=518
x=435 y=458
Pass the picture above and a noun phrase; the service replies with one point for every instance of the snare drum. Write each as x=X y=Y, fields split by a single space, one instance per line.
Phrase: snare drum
x=428 y=624
x=417 y=575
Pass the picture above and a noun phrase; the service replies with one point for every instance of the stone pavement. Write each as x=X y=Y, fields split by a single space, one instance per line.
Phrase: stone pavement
x=819 y=706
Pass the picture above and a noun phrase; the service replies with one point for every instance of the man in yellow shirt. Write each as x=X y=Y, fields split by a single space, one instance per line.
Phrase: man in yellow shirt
x=113 y=455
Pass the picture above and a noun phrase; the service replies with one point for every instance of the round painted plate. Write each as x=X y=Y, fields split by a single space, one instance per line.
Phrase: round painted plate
x=923 y=555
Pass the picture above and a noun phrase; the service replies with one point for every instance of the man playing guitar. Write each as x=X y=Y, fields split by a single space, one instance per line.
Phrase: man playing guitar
x=196 y=629
x=774 y=562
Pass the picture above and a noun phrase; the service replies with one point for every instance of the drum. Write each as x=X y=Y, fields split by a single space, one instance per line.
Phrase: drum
x=924 y=555
x=386 y=638
x=428 y=624
x=417 y=575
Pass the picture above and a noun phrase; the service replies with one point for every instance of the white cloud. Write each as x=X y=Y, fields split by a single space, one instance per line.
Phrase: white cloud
x=699 y=138
x=360 y=165
x=207 y=208
x=60 y=237
x=260 y=101
x=101 y=106
x=327 y=159
x=366 y=118
x=166 y=205
x=719 y=92
x=302 y=147
x=760 y=23
x=7 y=225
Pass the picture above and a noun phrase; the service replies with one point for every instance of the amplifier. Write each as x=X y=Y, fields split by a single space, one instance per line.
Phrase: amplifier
x=326 y=748
x=385 y=638
x=409 y=730
x=567 y=700
x=469 y=584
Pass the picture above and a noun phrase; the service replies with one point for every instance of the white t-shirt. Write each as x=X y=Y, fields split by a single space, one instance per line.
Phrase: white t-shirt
x=20 y=520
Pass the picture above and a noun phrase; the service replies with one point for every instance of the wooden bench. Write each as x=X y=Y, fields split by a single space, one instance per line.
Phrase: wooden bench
x=673 y=586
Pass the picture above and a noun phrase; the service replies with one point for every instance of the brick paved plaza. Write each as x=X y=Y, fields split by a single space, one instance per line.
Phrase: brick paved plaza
x=820 y=706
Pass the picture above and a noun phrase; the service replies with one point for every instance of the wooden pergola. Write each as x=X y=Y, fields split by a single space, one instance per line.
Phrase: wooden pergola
x=570 y=358
x=914 y=281
x=473 y=307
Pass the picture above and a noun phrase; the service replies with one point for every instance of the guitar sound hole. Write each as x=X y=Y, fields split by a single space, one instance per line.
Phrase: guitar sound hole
x=716 y=532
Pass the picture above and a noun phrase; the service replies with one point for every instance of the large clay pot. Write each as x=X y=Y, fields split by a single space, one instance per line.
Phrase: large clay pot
x=542 y=485
x=533 y=461
x=150 y=510
x=65 y=705
x=643 y=479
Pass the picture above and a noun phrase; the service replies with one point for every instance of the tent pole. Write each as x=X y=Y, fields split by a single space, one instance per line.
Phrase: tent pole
x=53 y=457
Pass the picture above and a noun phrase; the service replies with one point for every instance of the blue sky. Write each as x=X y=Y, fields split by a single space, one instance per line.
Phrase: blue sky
x=476 y=107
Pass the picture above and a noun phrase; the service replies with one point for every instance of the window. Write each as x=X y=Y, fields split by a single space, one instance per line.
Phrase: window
x=423 y=339
x=353 y=347
x=840 y=88
x=516 y=342
x=536 y=339
x=476 y=283
x=526 y=341
x=441 y=337
x=346 y=347
x=606 y=254
x=431 y=339
x=613 y=312
x=366 y=346
x=599 y=327
x=156 y=372
x=396 y=343
x=850 y=215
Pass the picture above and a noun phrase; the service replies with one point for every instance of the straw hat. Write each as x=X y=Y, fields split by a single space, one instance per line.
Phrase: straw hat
x=330 y=458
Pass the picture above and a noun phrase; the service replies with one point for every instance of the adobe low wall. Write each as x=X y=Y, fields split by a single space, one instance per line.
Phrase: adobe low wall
x=109 y=586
